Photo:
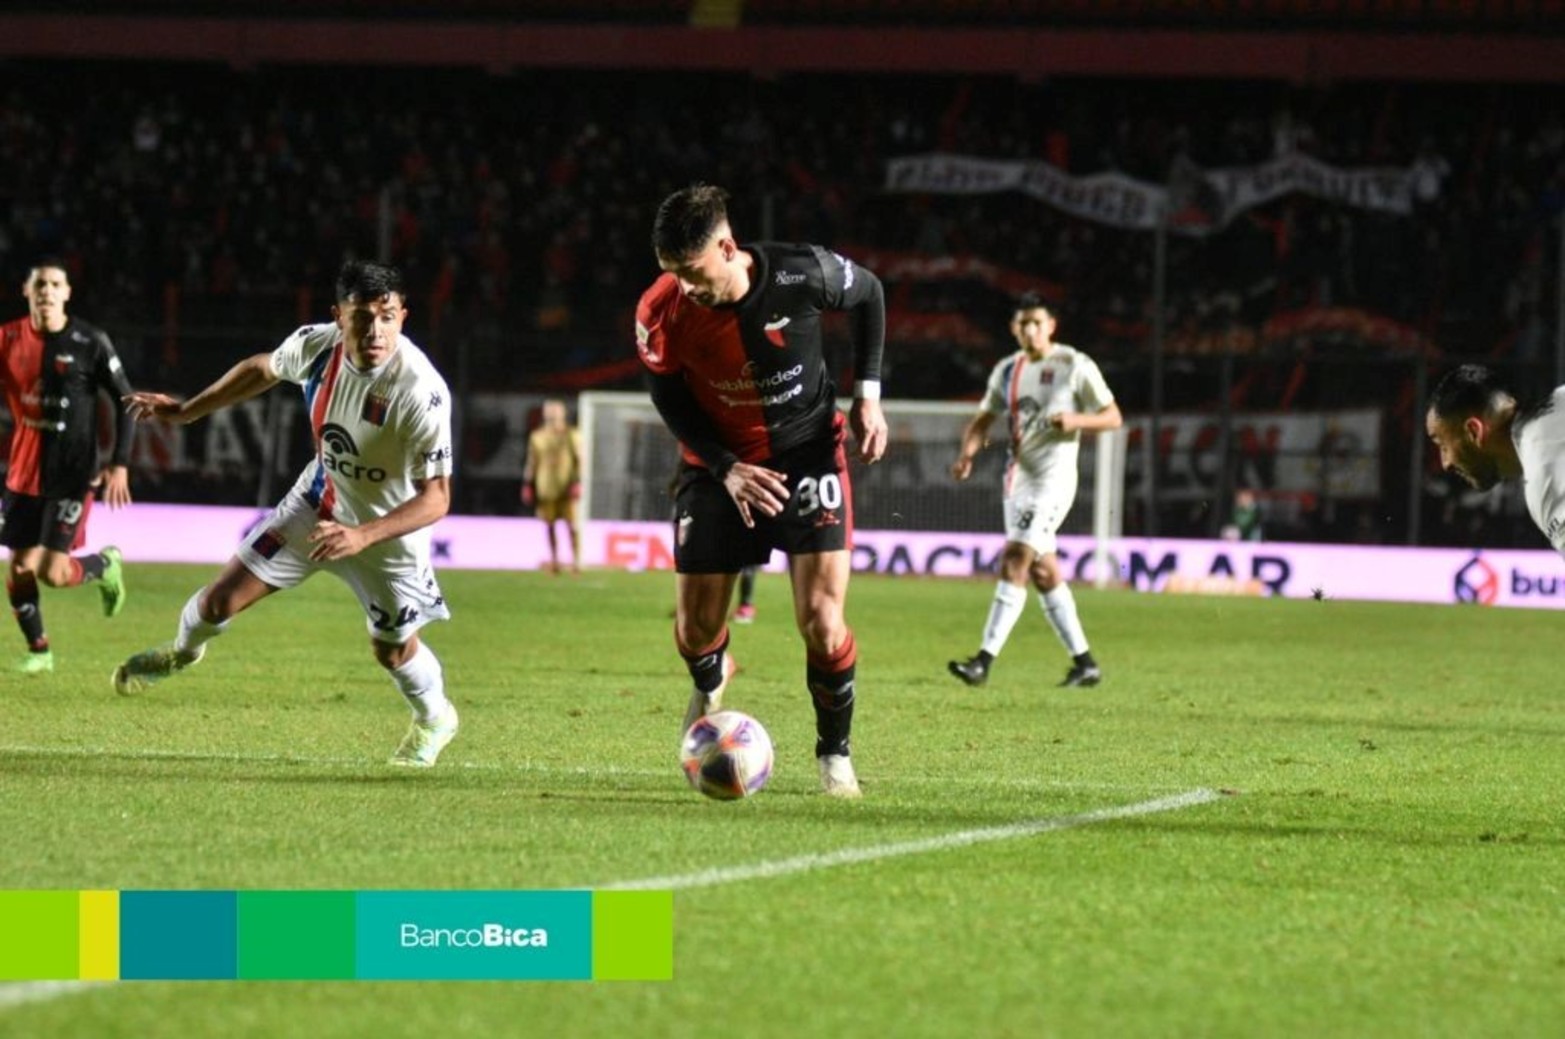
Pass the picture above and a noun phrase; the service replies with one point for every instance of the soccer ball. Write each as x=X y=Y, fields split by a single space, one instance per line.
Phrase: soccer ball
x=727 y=755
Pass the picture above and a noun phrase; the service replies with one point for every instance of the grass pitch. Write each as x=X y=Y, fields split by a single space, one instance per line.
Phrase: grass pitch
x=1387 y=860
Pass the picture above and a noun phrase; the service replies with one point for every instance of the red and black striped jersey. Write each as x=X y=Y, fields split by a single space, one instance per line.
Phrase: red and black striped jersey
x=748 y=380
x=51 y=382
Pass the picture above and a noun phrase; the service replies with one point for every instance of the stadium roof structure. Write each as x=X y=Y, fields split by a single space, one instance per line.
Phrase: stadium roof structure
x=1291 y=40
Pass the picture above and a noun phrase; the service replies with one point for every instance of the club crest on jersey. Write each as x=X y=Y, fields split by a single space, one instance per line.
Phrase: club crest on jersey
x=63 y=362
x=375 y=410
x=268 y=543
x=774 y=330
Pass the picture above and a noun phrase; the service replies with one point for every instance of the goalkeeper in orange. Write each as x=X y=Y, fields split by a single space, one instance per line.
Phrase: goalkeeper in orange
x=551 y=479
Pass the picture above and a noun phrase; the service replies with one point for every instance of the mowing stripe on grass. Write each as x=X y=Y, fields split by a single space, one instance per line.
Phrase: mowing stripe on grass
x=237 y=758
x=959 y=839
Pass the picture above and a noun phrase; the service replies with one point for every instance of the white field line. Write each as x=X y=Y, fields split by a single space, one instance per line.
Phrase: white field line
x=16 y=993
x=958 y=839
x=236 y=758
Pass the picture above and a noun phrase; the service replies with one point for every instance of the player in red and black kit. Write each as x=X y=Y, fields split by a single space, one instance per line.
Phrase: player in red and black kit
x=51 y=368
x=732 y=337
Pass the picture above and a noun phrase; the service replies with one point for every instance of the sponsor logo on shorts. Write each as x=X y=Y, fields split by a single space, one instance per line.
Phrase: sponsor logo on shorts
x=268 y=543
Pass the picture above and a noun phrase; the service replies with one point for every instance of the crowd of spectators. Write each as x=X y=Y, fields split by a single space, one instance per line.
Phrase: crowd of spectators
x=196 y=201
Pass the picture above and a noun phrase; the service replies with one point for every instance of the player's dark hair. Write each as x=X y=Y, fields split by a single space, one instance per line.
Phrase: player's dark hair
x=1468 y=390
x=686 y=220
x=1035 y=301
x=1475 y=389
x=48 y=260
x=365 y=281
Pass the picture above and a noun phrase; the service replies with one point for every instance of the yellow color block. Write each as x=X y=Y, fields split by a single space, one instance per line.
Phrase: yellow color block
x=99 y=941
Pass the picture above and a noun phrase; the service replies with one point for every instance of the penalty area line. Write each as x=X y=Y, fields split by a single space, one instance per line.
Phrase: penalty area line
x=959 y=839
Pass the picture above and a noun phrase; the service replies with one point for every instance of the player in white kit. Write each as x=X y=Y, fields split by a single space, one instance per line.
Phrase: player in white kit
x=1049 y=394
x=1486 y=434
x=380 y=415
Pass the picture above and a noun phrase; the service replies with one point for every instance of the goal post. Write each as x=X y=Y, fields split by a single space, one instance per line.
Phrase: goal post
x=629 y=459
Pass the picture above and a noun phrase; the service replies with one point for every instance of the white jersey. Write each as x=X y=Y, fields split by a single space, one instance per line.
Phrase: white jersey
x=1025 y=393
x=1540 y=444
x=375 y=432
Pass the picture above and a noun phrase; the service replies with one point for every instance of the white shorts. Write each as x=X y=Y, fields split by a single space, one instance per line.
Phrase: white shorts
x=399 y=593
x=1034 y=511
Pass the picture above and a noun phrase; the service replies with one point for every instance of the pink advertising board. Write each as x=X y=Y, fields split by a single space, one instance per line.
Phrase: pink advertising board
x=196 y=534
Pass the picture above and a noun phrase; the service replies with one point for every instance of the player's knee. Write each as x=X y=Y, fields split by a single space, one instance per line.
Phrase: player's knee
x=1046 y=574
x=694 y=635
x=824 y=632
x=1015 y=563
x=57 y=572
x=393 y=655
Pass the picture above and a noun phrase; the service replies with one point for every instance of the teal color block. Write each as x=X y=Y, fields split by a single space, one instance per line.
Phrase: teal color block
x=178 y=935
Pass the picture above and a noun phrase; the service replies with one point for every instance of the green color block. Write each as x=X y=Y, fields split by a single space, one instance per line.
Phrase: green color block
x=296 y=935
x=38 y=935
x=632 y=935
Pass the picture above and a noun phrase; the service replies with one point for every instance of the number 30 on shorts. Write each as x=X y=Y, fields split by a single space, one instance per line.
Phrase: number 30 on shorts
x=823 y=493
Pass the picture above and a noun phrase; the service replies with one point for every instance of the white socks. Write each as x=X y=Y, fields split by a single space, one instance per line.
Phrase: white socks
x=1059 y=606
x=193 y=631
x=422 y=683
x=1004 y=611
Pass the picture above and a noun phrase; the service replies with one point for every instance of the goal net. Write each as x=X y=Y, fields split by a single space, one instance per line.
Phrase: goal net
x=630 y=458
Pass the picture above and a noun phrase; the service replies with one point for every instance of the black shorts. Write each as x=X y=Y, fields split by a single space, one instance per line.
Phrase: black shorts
x=710 y=536
x=58 y=524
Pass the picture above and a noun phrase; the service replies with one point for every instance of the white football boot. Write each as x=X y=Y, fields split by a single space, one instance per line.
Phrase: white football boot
x=703 y=704
x=837 y=776
x=421 y=747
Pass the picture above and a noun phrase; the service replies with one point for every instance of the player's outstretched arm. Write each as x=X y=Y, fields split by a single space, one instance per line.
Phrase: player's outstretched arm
x=249 y=378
